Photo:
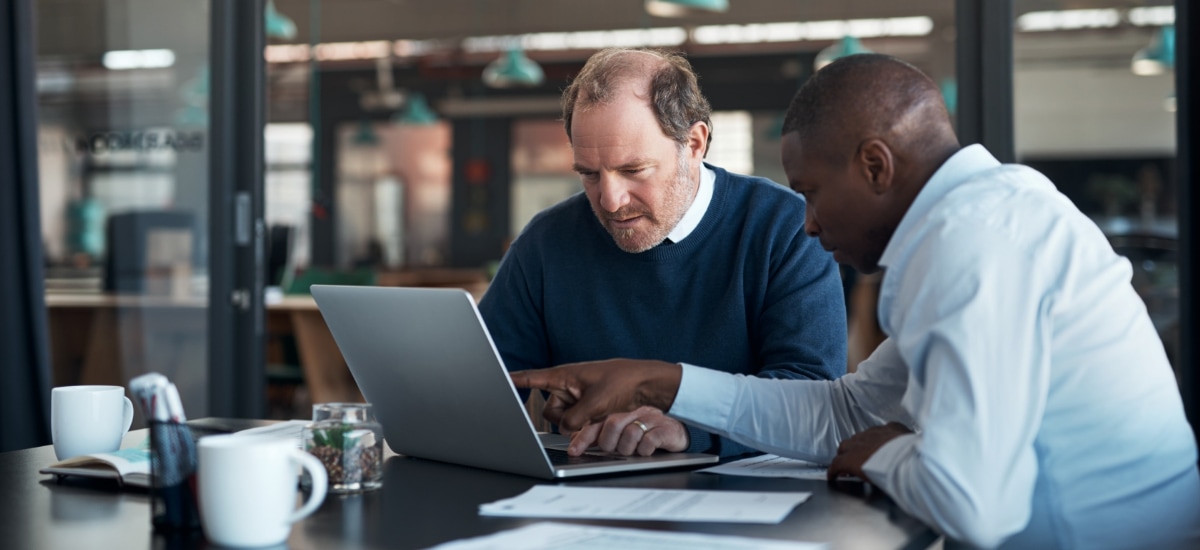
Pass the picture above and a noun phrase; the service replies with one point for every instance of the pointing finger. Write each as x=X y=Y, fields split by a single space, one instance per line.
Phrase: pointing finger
x=533 y=379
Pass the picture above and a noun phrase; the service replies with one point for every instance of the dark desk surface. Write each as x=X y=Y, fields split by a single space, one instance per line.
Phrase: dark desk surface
x=422 y=503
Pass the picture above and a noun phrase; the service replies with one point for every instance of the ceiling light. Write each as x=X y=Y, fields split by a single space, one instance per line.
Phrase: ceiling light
x=1159 y=56
x=416 y=112
x=138 y=59
x=513 y=70
x=1152 y=16
x=1035 y=21
x=364 y=136
x=341 y=51
x=848 y=45
x=681 y=8
x=580 y=40
x=811 y=30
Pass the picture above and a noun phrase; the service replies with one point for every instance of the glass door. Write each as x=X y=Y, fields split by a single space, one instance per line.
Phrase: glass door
x=126 y=134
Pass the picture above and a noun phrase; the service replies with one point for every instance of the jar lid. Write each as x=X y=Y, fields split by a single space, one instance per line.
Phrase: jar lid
x=348 y=413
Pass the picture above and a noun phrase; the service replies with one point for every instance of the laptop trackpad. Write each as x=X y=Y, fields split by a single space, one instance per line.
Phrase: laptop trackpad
x=554 y=441
x=559 y=443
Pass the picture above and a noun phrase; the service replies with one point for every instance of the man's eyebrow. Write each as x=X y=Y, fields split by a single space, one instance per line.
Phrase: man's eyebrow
x=635 y=163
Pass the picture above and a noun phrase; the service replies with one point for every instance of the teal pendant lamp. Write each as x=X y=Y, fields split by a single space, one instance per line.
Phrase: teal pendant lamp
x=681 y=8
x=949 y=88
x=365 y=135
x=1158 y=57
x=848 y=45
x=193 y=100
x=416 y=112
x=278 y=25
x=513 y=70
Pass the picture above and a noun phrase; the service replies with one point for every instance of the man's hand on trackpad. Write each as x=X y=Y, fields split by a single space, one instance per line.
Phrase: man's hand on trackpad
x=641 y=432
x=585 y=393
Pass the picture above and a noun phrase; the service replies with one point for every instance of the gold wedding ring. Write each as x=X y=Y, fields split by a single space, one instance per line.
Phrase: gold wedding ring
x=641 y=425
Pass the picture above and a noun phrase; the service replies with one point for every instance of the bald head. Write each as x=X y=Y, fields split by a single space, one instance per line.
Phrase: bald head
x=873 y=96
x=664 y=79
x=860 y=140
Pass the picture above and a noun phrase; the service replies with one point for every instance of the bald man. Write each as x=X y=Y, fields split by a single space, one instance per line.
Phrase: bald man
x=1022 y=398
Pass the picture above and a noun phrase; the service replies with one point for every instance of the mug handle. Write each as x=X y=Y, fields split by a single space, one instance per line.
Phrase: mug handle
x=128 y=416
x=320 y=479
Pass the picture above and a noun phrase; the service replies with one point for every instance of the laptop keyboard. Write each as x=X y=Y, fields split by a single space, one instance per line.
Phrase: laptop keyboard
x=559 y=457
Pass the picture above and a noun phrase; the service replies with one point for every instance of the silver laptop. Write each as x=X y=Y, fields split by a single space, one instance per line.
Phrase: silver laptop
x=425 y=360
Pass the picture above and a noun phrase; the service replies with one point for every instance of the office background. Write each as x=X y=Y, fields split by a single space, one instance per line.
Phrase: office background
x=164 y=174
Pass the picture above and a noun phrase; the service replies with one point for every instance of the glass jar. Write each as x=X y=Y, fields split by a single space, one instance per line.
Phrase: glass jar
x=348 y=440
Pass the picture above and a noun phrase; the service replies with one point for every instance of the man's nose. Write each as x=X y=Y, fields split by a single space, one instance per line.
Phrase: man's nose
x=614 y=193
x=811 y=227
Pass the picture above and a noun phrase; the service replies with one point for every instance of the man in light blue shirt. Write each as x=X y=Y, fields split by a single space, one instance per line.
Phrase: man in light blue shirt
x=1022 y=398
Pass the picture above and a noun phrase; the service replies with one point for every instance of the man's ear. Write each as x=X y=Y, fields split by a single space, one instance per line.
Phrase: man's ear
x=697 y=140
x=875 y=159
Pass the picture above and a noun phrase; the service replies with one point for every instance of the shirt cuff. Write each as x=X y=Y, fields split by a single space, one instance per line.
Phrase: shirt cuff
x=705 y=396
x=884 y=463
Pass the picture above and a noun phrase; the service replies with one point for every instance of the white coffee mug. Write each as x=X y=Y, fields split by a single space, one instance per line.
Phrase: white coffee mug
x=88 y=419
x=248 y=485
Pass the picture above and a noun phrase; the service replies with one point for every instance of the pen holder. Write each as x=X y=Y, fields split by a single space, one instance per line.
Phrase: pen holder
x=173 y=505
x=346 y=438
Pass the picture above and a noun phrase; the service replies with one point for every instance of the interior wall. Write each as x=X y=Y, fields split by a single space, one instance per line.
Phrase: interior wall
x=1092 y=112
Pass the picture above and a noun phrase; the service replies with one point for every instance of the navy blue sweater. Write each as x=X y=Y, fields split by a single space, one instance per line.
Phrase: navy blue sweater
x=746 y=292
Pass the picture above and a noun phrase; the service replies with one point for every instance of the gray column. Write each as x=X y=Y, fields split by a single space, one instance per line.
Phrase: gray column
x=984 y=60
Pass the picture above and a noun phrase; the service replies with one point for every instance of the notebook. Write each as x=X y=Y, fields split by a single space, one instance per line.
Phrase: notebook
x=423 y=357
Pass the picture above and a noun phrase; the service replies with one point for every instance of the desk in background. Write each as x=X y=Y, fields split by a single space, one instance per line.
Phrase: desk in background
x=101 y=338
x=422 y=503
x=105 y=338
x=325 y=371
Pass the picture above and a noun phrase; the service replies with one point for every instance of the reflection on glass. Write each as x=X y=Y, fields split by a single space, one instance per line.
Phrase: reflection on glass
x=123 y=161
x=541 y=170
x=393 y=195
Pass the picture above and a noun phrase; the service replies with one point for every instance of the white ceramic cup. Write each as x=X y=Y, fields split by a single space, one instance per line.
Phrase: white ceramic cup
x=248 y=485
x=88 y=419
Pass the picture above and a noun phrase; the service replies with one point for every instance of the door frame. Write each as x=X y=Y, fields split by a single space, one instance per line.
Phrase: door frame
x=237 y=376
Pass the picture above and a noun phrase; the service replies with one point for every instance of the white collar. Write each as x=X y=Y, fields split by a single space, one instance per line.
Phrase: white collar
x=695 y=212
x=961 y=166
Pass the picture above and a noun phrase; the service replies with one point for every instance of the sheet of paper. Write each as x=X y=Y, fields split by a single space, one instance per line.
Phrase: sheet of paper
x=549 y=501
x=290 y=429
x=771 y=466
x=553 y=536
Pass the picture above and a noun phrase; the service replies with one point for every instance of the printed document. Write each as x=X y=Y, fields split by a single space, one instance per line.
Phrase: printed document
x=290 y=429
x=552 y=536
x=549 y=501
x=771 y=466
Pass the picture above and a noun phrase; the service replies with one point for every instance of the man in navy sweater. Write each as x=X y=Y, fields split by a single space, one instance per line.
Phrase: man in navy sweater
x=663 y=256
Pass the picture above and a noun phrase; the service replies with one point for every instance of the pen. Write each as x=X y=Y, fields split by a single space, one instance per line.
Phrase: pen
x=174 y=405
x=148 y=389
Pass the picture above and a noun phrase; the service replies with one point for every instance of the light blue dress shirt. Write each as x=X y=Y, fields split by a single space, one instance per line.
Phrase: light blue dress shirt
x=1045 y=410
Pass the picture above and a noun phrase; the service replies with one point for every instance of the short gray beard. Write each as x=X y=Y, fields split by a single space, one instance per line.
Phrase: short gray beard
x=678 y=199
